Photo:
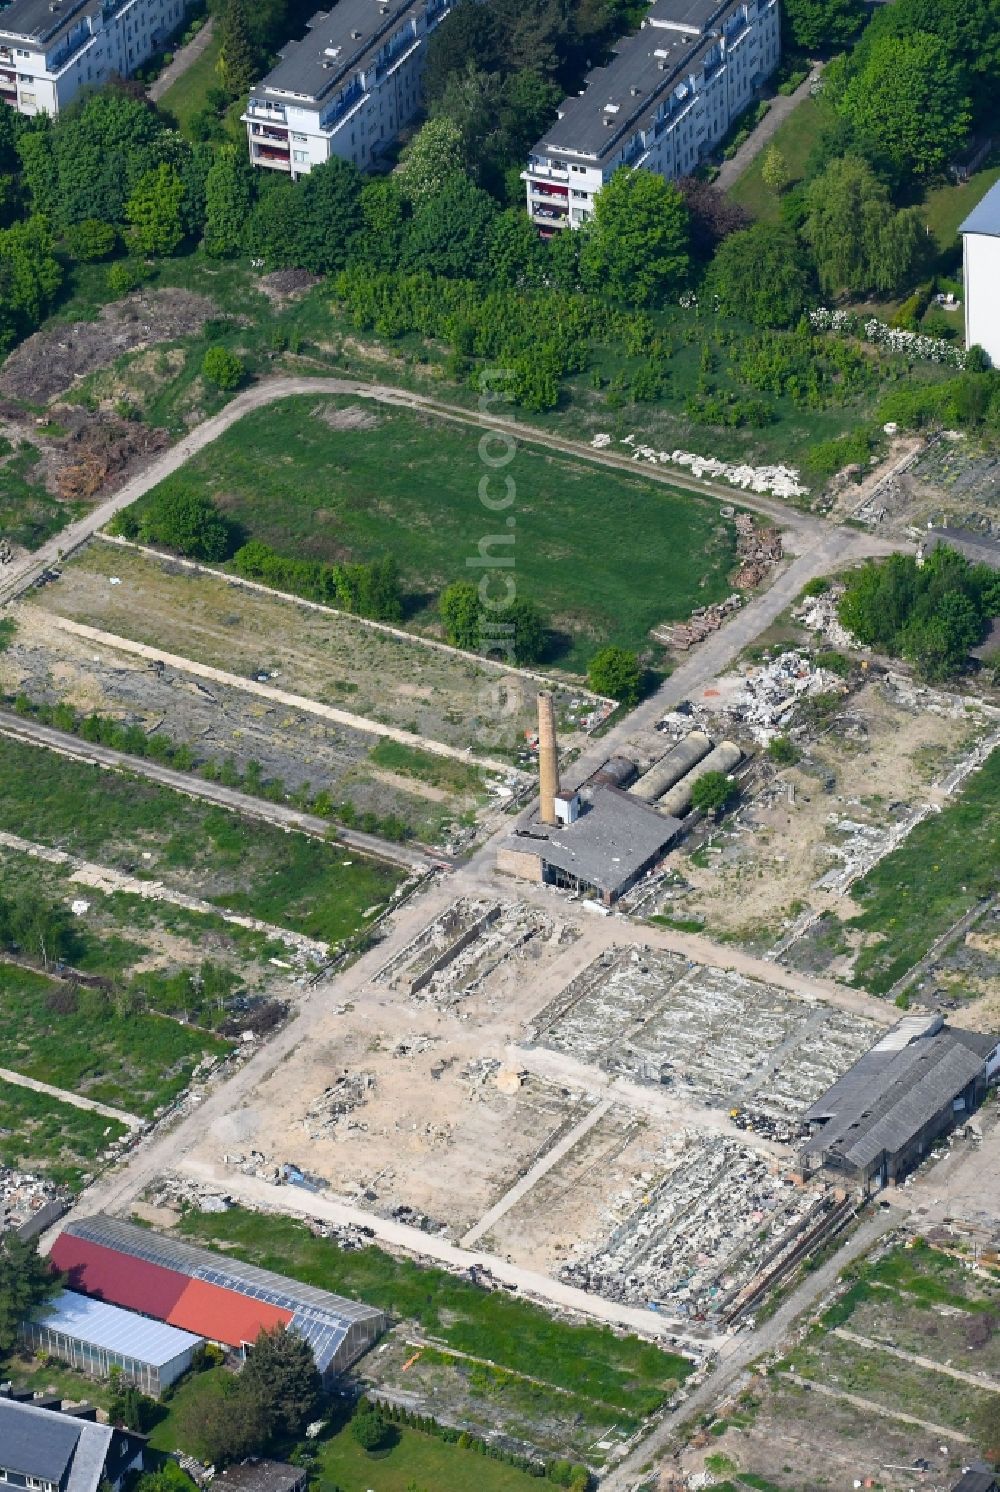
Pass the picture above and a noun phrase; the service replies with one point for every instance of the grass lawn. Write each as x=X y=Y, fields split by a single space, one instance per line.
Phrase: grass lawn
x=38 y=1133
x=414 y=1463
x=945 y=207
x=76 y=1040
x=588 y=1360
x=795 y=139
x=185 y=97
x=915 y=894
x=439 y=771
x=410 y=488
x=286 y=879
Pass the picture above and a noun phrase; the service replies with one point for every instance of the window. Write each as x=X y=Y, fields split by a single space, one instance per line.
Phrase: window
x=300 y=156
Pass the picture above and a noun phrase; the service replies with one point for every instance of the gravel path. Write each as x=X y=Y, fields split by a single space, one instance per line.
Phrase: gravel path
x=18 y=1079
x=183 y=59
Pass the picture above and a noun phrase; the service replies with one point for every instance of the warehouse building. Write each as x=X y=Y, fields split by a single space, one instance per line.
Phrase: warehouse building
x=214 y=1296
x=981 y=258
x=51 y=1449
x=883 y=1116
x=95 y=1337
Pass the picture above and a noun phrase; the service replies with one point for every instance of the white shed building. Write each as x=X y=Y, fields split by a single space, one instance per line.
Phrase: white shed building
x=95 y=1337
x=981 y=239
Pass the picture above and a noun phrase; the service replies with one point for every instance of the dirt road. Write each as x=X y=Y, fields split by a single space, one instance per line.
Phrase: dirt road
x=16 y=578
x=22 y=728
x=131 y=1121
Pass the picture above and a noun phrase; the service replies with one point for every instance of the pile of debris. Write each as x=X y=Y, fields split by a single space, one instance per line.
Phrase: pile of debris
x=29 y=1202
x=759 y=549
x=334 y=1108
x=703 y=621
x=771 y=691
x=103 y=450
x=781 y=481
x=6 y=552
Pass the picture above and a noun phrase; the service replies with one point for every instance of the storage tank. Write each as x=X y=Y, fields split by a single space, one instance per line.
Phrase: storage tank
x=617 y=771
x=724 y=758
x=672 y=767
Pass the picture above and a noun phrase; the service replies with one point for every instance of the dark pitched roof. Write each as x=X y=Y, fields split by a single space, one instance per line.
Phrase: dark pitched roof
x=977 y=1478
x=260 y=1476
x=40 y=1444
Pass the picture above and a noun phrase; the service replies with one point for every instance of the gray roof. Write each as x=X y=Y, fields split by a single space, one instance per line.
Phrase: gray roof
x=53 y=1447
x=260 y=1476
x=914 y=1072
x=986 y=217
x=117 y=1330
x=979 y=1477
x=626 y=95
x=612 y=840
x=355 y=30
x=40 y=20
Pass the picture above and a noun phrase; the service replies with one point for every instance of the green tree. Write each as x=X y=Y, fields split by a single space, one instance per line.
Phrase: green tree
x=530 y=635
x=434 y=157
x=368 y=1427
x=713 y=792
x=908 y=103
x=154 y=210
x=186 y=521
x=237 y=64
x=379 y=241
x=461 y=615
x=91 y=240
x=26 y=1282
x=774 y=170
x=615 y=673
x=228 y=202
x=468 y=35
x=332 y=211
x=276 y=228
x=227 y=1426
x=29 y=277
x=223 y=368
x=818 y=25
x=782 y=751
x=859 y=241
x=446 y=233
x=760 y=274
x=281 y=1370
x=514 y=254
x=638 y=250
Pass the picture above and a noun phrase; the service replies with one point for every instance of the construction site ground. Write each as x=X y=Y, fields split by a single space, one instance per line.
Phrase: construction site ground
x=903 y=1368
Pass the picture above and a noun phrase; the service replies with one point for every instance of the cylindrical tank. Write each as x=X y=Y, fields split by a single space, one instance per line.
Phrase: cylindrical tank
x=617 y=771
x=724 y=758
x=672 y=767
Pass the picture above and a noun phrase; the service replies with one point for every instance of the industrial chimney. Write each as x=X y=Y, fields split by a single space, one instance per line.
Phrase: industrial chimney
x=548 y=758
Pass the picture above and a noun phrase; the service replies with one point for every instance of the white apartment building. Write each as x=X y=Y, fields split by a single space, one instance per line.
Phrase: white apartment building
x=346 y=89
x=981 y=254
x=50 y=49
x=666 y=98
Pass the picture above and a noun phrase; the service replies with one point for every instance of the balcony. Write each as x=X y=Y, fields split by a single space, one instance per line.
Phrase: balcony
x=264 y=132
x=539 y=189
x=275 y=113
x=542 y=168
x=270 y=155
x=549 y=214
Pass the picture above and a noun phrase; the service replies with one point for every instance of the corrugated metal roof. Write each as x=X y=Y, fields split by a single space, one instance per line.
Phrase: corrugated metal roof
x=986 y=217
x=117 y=1330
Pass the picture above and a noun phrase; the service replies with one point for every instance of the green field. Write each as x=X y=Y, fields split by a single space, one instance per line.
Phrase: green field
x=414 y=1463
x=410 y=488
x=285 y=879
x=914 y=895
x=29 y=514
x=76 y=1039
x=946 y=207
x=587 y=1360
x=794 y=138
x=187 y=96
x=38 y=1133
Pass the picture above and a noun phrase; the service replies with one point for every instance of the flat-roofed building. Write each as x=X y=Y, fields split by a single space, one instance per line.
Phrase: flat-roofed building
x=667 y=97
x=211 y=1294
x=51 y=49
x=346 y=89
x=95 y=1337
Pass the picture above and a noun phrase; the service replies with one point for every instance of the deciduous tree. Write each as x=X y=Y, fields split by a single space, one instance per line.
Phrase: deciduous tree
x=638 y=252
x=760 y=274
x=615 y=673
x=281 y=1371
x=859 y=241
x=909 y=102
x=154 y=210
x=26 y=1282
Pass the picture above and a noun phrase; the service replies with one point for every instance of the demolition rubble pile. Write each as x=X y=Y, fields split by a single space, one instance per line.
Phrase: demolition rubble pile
x=771 y=691
x=781 y=481
x=702 y=622
x=29 y=1202
x=455 y=955
x=691 y=1235
x=715 y=1037
x=758 y=549
x=332 y=1113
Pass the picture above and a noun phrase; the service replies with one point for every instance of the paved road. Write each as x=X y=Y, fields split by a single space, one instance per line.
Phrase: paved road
x=781 y=106
x=743 y=1349
x=183 y=59
x=131 y=1121
x=24 y=729
x=17 y=577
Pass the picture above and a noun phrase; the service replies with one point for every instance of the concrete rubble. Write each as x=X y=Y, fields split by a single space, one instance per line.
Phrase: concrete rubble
x=781 y=481
x=332 y=1113
x=29 y=1202
x=702 y=622
x=765 y=700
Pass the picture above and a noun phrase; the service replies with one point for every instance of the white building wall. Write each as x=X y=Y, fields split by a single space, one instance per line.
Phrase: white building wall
x=982 y=293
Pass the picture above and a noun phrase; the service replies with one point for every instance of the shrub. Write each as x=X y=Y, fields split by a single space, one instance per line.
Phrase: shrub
x=187 y=522
x=223 y=368
x=125 y=276
x=368 y=1427
x=713 y=792
x=615 y=673
x=782 y=751
x=91 y=240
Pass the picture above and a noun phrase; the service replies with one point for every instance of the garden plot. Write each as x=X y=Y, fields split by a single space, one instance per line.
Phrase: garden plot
x=716 y=1037
x=223 y=726
x=695 y=1230
x=369 y=670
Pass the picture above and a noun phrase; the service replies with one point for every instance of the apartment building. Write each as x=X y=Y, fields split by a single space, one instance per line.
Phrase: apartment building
x=981 y=255
x=666 y=98
x=50 y=49
x=346 y=89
